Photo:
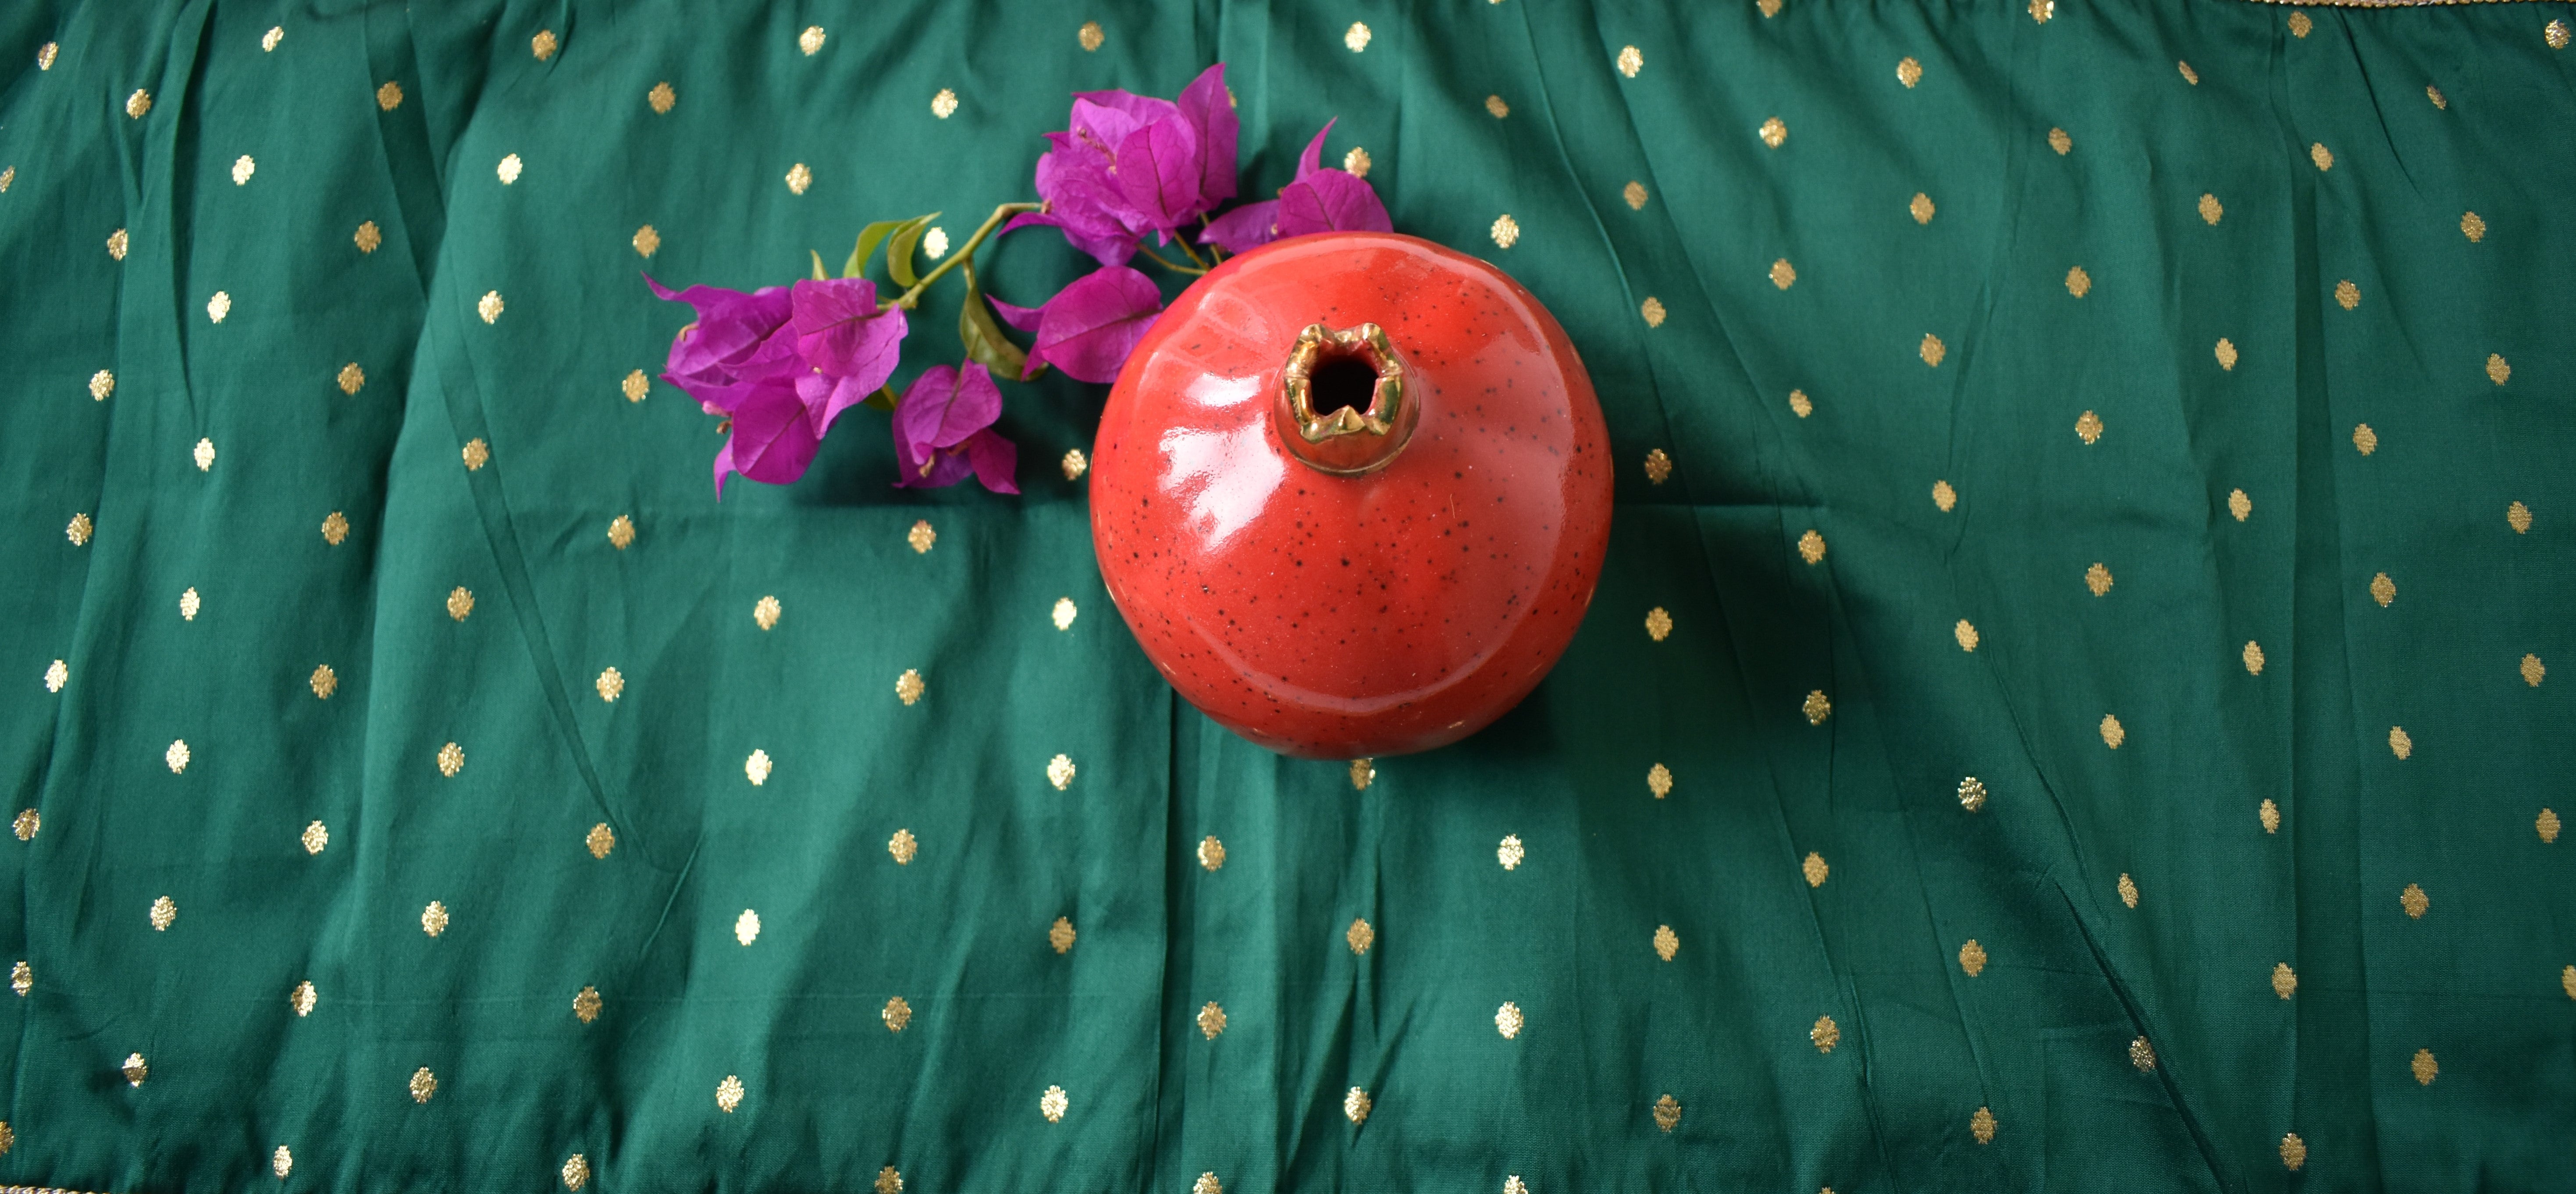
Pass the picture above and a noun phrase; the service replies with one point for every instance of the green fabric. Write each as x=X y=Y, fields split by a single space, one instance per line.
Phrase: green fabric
x=2040 y=1038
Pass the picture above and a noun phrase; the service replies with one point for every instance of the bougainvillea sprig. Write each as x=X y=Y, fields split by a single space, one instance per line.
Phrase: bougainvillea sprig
x=781 y=363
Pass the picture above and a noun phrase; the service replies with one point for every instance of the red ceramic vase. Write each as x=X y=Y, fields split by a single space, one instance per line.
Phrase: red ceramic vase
x=1351 y=492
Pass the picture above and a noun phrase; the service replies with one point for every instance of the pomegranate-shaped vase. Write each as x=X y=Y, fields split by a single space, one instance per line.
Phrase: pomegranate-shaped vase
x=1351 y=492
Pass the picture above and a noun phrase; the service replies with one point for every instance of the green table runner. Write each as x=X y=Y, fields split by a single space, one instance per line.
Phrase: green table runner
x=2068 y=705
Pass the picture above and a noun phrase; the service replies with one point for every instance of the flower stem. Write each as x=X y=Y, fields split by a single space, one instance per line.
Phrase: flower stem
x=1175 y=268
x=911 y=297
x=1195 y=259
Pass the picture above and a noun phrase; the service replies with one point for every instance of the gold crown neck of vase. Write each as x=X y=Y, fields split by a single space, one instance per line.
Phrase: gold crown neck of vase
x=1346 y=441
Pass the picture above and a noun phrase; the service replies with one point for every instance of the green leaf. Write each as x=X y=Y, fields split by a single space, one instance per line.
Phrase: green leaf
x=899 y=250
x=984 y=340
x=884 y=399
x=818 y=265
x=869 y=238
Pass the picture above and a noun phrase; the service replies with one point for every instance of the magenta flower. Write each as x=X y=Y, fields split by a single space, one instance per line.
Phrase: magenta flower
x=849 y=345
x=1130 y=164
x=943 y=429
x=772 y=436
x=1089 y=327
x=1319 y=200
x=731 y=326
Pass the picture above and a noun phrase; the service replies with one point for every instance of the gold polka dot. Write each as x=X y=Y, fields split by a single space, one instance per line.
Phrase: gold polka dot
x=243 y=168
x=78 y=530
x=764 y=613
x=1508 y=1020
x=921 y=537
x=1635 y=194
x=489 y=306
x=2400 y=743
x=389 y=96
x=1653 y=311
x=45 y=53
x=451 y=759
x=367 y=238
x=2299 y=24
x=1824 y=1034
x=1814 y=868
x=2226 y=353
x=165 y=912
x=1943 y=496
x=1966 y=633
x=2253 y=655
x=1811 y=547
x=1658 y=623
x=811 y=40
x=1774 y=131
x=2098 y=579
x=2285 y=981
x=57 y=674
x=2041 y=10
x=352 y=378
x=2239 y=505
x=729 y=1094
x=1356 y=162
x=2518 y=516
x=29 y=822
x=1908 y=71
x=138 y=103
x=1932 y=350
x=1060 y=935
x=1495 y=107
x=1783 y=275
x=2059 y=141
x=2435 y=94
x=2555 y=34
x=476 y=454
x=756 y=768
x=2078 y=283
x=219 y=306
x=1089 y=35
x=1921 y=207
x=1511 y=852
x=2567 y=981
x=746 y=927
x=1363 y=773
x=2211 y=209
x=2128 y=890
x=636 y=385
x=1770 y=8
x=460 y=602
x=324 y=681
x=2382 y=589
x=1667 y=943
x=1817 y=707
x=1211 y=1020
x=2347 y=295
x=543 y=44
x=316 y=838
x=1799 y=403
x=302 y=999
x=2424 y=1067
x=621 y=532
x=2113 y=733
x=116 y=242
x=1659 y=780
x=1630 y=61
x=2365 y=439
x=647 y=242
x=1075 y=464
x=2322 y=156
x=1360 y=936
x=203 y=454
x=1659 y=466
x=611 y=685
x=1506 y=230
x=661 y=97
x=600 y=840
x=891 y=1182
x=1211 y=853
x=1972 y=793
x=2188 y=75
x=2472 y=227
x=1053 y=1103
x=2270 y=816
x=135 y=1070
x=2497 y=370
x=2294 y=1151
x=2414 y=901
x=1982 y=1126
x=799 y=177
x=576 y=1172
x=908 y=687
x=510 y=169
x=1356 y=37
x=585 y=1007
x=2532 y=671
x=903 y=847
x=433 y=919
x=1972 y=958
x=189 y=604
x=335 y=528
x=1059 y=772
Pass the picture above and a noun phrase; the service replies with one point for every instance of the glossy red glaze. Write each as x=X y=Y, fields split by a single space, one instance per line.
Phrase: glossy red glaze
x=1350 y=616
